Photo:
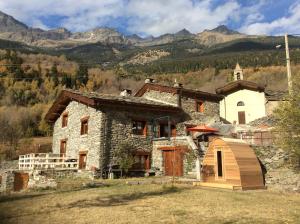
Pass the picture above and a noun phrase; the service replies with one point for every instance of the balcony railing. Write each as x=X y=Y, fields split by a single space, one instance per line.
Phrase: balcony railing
x=45 y=161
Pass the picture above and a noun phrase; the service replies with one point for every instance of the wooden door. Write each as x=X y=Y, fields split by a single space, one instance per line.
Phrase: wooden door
x=171 y=159
x=242 y=117
x=20 y=181
x=82 y=160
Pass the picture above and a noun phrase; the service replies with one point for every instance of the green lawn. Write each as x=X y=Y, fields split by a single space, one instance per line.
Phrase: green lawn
x=116 y=202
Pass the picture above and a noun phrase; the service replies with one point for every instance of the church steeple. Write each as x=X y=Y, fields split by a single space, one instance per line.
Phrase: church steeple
x=238 y=73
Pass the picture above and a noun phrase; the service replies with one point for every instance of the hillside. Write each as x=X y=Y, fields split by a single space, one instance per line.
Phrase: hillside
x=38 y=64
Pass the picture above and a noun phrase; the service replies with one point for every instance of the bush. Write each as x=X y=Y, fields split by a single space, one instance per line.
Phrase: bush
x=124 y=156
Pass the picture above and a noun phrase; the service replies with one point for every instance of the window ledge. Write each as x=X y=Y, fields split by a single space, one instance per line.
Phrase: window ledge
x=138 y=136
x=83 y=136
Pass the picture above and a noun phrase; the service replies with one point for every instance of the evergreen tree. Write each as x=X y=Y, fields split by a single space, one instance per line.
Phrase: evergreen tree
x=82 y=75
x=54 y=74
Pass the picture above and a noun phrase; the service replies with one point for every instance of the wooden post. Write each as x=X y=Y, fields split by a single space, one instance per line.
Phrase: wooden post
x=288 y=64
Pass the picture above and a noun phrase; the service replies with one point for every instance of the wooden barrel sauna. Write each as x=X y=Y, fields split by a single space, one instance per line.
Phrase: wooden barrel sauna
x=231 y=163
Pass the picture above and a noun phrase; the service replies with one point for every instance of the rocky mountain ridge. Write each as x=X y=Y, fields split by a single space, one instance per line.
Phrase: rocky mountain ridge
x=12 y=29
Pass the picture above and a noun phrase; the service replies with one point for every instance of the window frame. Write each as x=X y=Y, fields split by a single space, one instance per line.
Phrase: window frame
x=84 y=127
x=143 y=130
x=64 y=119
x=199 y=106
x=63 y=141
x=173 y=130
x=240 y=104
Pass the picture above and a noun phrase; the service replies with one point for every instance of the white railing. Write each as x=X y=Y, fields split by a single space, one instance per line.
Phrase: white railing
x=44 y=161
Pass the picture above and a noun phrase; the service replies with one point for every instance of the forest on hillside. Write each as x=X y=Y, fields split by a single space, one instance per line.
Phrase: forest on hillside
x=31 y=81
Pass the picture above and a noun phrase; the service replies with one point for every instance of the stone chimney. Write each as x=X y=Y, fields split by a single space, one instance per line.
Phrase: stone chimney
x=150 y=80
x=178 y=85
x=126 y=92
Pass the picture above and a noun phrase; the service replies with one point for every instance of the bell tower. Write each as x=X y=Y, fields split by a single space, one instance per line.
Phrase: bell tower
x=238 y=73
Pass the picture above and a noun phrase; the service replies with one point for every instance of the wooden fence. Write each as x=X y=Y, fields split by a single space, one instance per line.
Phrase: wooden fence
x=44 y=161
x=258 y=138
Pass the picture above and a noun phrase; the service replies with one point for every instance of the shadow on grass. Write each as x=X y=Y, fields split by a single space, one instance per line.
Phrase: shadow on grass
x=122 y=199
x=113 y=200
x=21 y=196
x=42 y=192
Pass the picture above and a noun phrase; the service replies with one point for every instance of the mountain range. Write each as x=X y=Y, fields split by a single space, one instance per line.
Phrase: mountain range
x=14 y=30
x=182 y=51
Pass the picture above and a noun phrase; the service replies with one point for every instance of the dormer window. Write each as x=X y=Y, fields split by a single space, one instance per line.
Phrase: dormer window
x=199 y=106
x=240 y=104
x=64 y=120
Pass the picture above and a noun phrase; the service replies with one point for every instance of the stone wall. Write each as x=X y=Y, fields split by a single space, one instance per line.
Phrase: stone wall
x=7 y=183
x=75 y=141
x=157 y=155
x=271 y=106
x=117 y=128
x=190 y=115
x=279 y=174
x=163 y=97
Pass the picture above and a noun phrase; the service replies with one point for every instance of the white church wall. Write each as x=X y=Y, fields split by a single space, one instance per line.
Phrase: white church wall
x=254 y=105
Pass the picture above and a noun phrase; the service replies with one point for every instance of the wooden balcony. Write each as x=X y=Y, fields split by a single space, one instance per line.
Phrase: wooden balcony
x=46 y=161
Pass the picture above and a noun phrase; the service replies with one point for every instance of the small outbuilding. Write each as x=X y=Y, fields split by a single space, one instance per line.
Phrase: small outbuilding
x=231 y=163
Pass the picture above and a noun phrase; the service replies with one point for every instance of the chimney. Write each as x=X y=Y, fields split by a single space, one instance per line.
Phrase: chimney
x=178 y=85
x=126 y=92
x=149 y=80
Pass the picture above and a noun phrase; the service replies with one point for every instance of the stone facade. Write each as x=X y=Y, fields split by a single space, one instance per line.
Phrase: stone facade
x=71 y=133
x=107 y=128
x=7 y=181
x=279 y=175
x=109 y=125
x=157 y=155
x=117 y=128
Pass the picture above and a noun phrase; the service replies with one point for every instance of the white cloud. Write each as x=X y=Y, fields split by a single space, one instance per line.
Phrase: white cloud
x=144 y=16
x=80 y=14
x=287 y=24
x=152 y=17
x=157 y=17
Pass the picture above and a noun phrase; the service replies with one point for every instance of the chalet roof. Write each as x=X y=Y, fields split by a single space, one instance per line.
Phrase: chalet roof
x=176 y=90
x=239 y=85
x=93 y=99
x=275 y=95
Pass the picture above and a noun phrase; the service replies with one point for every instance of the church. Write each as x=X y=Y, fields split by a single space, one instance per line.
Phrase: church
x=246 y=101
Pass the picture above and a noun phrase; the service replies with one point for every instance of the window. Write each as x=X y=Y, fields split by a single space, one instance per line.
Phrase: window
x=139 y=128
x=220 y=165
x=63 y=146
x=240 y=103
x=238 y=76
x=84 y=126
x=141 y=160
x=64 y=120
x=199 y=106
x=164 y=130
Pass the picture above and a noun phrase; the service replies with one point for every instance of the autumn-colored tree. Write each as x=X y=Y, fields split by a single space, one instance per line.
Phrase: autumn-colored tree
x=288 y=122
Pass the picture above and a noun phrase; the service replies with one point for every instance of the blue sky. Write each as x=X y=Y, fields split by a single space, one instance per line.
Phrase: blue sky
x=156 y=17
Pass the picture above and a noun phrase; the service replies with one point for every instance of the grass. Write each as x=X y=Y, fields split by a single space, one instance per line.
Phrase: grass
x=116 y=202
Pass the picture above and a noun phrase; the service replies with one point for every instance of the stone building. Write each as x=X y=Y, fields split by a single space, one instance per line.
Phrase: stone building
x=90 y=126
